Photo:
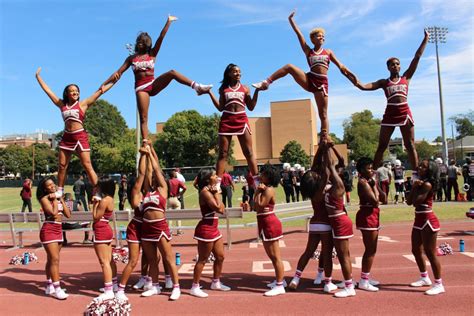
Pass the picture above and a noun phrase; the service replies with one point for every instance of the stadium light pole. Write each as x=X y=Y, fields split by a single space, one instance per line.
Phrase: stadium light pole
x=438 y=35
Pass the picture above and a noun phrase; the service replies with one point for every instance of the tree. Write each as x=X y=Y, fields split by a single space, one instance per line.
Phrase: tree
x=438 y=139
x=425 y=150
x=294 y=153
x=361 y=134
x=16 y=160
x=464 y=124
x=400 y=154
x=105 y=123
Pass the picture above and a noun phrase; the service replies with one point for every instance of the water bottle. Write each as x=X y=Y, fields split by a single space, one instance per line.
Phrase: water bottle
x=26 y=258
x=461 y=245
x=178 y=259
x=123 y=232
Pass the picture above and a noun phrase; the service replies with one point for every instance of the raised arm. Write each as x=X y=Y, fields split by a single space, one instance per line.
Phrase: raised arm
x=336 y=181
x=419 y=52
x=340 y=159
x=346 y=72
x=251 y=102
x=306 y=49
x=370 y=86
x=86 y=103
x=57 y=101
x=136 y=193
x=159 y=41
x=163 y=186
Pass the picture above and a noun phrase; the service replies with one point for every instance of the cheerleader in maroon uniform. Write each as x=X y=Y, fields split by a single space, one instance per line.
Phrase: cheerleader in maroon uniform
x=75 y=138
x=143 y=65
x=207 y=232
x=397 y=112
x=426 y=225
x=102 y=212
x=51 y=235
x=316 y=80
x=269 y=226
x=313 y=186
x=367 y=219
x=233 y=98
x=155 y=229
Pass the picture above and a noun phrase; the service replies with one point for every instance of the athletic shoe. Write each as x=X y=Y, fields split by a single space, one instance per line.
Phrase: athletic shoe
x=149 y=286
x=59 y=194
x=175 y=294
x=87 y=242
x=59 y=294
x=50 y=290
x=168 y=284
x=219 y=286
x=203 y=88
x=319 y=279
x=276 y=290
x=196 y=291
x=342 y=285
x=262 y=85
x=346 y=292
x=115 y=288
x=294 y=283
x=374 y=282
x=273 y=284
x=365 y=285
x=435 y=290
x=329 y=287
x=155 y=290
x=121 y=296
x=140 y=284
x=106 y=296
x=422 y=282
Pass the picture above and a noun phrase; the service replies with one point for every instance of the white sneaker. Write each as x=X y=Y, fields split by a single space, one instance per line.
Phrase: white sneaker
x=262 y=85
x=422 y=282
x=319 y=279
x=149 y=286
x=276 y=290
x=106 y=296
x=114 y=289
x=155 y=290
x=346 y=292
x=121 y=296
x=59 y=294
x=435 y=290
x=374 y=282
x=329 y=287
x=203 y=88
x=365 y=285
x=49 y=290
x=196 y=291
x=219 y=286
x=294 y=283
x=140 y=284
x=273 y=284
x=175 y=294
x=168 y=284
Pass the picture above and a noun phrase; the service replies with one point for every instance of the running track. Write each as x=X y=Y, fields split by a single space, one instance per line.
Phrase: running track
x=247 y=270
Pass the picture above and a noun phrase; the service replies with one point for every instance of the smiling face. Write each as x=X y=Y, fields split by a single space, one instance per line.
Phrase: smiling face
x=234 y=74
x=71 y=94
x=317 y=38
x=423 y=169
x=143 y=43
x=49 y=186
x=213 y=179
x=367 y=171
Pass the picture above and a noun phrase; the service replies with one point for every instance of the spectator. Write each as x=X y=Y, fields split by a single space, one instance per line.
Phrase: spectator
x=122 y=192
x=399 y=178
x=298 y=175
x=79 y=189
x=465 y=170
x=385 y=179
x=26 y=195
x=443 y=180
x=245 y=198
x=347 y=179
x=227 y=187
x=287 y=180
x=251 y=187
x=74 y=207
x=470 y=179
x=453 y=173
x=89 y=189
x=181 y=179
x=408 y=186
x=175 y=189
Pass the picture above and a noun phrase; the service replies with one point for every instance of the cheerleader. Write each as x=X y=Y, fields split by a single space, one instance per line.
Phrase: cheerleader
x=426 y=226
x=51 y=234
x=143 y=66
x=234 y=98
x=269 y=226
x=207 y=233
x=102 y=212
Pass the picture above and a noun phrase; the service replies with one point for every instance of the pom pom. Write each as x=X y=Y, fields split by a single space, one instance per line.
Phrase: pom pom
x=444 y=249
x=20 y=259
x=113 y=307
x=120 y=255
x=317 y=254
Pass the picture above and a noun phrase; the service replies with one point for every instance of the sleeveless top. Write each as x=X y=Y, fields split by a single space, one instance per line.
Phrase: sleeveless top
x=140 y=63
x=235 y=96
x=398 y=88
x=49 y=218
x=153 y=201
x=319 y=58
x=72 y=113
x=267 y=210
x=334 y=204
x=427 y=205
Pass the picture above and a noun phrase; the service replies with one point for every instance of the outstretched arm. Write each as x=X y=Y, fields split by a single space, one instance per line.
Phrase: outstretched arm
x=159 y=41
x=136 y=197
x=346 y=72
x=116 y=75
x=370 y=86
x=251 y=101
x=85 y=104
x=414 y=63
x=219 y=104
x=57 y=101
x=336 y=181
x=306 y=49
x=158 y=172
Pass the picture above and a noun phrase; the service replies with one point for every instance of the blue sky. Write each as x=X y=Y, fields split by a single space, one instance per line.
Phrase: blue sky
x=83 y=42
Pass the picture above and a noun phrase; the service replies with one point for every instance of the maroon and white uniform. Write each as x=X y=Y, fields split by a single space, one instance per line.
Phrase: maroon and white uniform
x=208 y=227
x=368 y=217
x=234 y=123
x=51 y=231
x=103 y=233
x=78 y=139
x=154 y=229
x=319 y=223
x=424 y=215
x=134 y=228
x=318 y=82
x=269 y=226
x=397 y=114
x=341 y=223
x=144 y=63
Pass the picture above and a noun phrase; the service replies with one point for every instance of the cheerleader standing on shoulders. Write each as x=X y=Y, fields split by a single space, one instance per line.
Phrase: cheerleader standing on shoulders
x=234 y=97
x=426 y=225
x=269 y=226
x=51 y=234
x=102 y=212
x=155 y=229
x=207 y=232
